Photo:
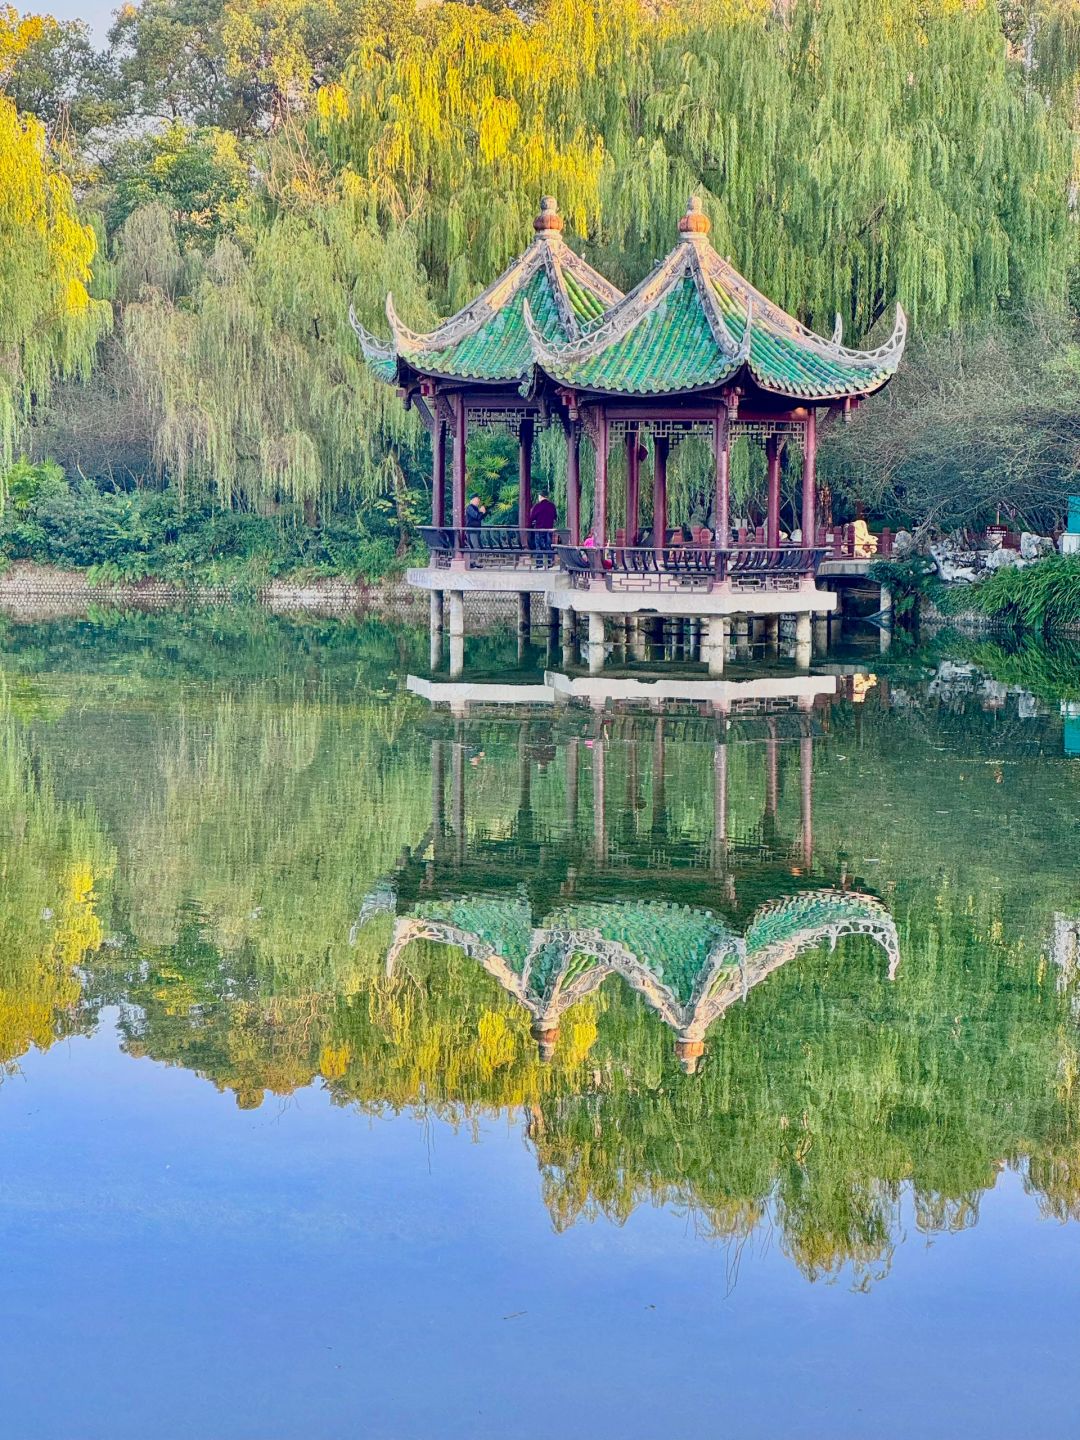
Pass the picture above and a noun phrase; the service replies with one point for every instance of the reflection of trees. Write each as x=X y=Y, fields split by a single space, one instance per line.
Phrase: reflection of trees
x=52 y=857
x=254 y=811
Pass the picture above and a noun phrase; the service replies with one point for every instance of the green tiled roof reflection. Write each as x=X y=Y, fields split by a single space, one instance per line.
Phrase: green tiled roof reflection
x=672 y=941
x=505 y=925
x=802 y=913
x=786 y=362
x=500 y=349
x=671 y=348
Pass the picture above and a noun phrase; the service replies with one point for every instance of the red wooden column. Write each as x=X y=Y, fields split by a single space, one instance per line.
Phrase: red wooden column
x=772 y=514
x=722 y=452
x=809 y=482
x=525 y=451
x=458 y=402
x=438 y=473
x=633 y=487
x=661 y=446
x=573 y=482
x=599 y=515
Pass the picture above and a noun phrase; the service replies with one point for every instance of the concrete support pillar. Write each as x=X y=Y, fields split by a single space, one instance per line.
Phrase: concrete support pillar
x=803 y=631
x=639 y=643
x=771 y=631
x=720 y=806
x=821 y=632
x=524 y=608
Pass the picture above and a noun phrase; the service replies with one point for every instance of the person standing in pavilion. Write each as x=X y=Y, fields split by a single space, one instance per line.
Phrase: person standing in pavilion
x=543 y=517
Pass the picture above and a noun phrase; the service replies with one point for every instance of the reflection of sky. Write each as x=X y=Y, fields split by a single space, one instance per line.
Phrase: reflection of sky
x=302 y=1271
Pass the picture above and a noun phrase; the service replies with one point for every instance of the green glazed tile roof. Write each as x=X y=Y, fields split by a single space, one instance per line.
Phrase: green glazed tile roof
x=685 y=329
x=488 y=341
x=671 y=348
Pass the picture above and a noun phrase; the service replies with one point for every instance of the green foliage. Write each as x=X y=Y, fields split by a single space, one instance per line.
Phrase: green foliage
x=128 y=536
x=981 y=422
x=909 y=579
x=1043 y=598
x=201 y=176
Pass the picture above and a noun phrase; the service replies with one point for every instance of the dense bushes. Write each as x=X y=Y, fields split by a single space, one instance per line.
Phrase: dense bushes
x=1043 y=597
x=131 y=535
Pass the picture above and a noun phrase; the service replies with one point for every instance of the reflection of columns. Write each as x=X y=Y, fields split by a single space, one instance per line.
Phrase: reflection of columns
x=658 y=776
x=715 y=643
x=772 y=508
x=596 y=643
x=573 y=482
x=600 y=479
x=438 y=473
x=524 y=825
x=720 y=805
x=572 y=766
x=457 y=633
x=438 y=797
x=599 y=779
x=772 y=770
x=460 y=422
x=806 y=811
x=809 y=482
x=722 y=467
x=661 y=445
x=803 y=632
x=436 y=628
x=633 y=487
x=457 y=796
x=525 y=450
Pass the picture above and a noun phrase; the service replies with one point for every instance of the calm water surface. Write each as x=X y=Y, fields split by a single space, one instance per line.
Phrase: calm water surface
x=603 y=1071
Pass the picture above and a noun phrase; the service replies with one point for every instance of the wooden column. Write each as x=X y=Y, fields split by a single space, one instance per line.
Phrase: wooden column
x=459 y=462
x=722 y=452
x=438 y=473
x=661 y=445
x=599 y=515
x=633 y=487
x=525 y=450
x=772 y=512
x=573 y=482
x=809 y=482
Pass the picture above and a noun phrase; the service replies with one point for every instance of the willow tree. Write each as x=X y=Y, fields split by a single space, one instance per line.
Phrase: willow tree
x=849 y=153
x=49 y=324
x=257 y=388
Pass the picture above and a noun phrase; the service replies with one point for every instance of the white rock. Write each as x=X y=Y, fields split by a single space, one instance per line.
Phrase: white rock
x=1002 y=559
x=903 y=544
x=1032 y=547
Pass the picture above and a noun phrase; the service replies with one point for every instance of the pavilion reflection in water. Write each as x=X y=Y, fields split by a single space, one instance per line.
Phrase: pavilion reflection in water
x=542 y=910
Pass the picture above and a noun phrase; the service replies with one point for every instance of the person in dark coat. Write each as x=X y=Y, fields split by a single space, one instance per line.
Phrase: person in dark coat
x=543 y=518
x=474 y=513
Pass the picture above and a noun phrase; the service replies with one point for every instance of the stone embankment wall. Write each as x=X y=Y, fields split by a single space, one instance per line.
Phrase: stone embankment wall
x=40 y=592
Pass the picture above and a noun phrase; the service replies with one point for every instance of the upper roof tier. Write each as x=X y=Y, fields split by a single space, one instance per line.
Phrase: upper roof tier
x=695 y=323
x=488 y=340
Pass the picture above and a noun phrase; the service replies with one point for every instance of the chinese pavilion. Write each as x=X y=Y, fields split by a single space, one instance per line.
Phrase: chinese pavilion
x=694 y=349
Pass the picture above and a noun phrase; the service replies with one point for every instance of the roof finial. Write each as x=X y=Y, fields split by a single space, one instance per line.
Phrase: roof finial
x=694 y=222
x=549 y=220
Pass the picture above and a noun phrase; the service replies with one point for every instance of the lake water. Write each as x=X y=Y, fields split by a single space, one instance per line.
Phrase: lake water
x=370 y=1069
